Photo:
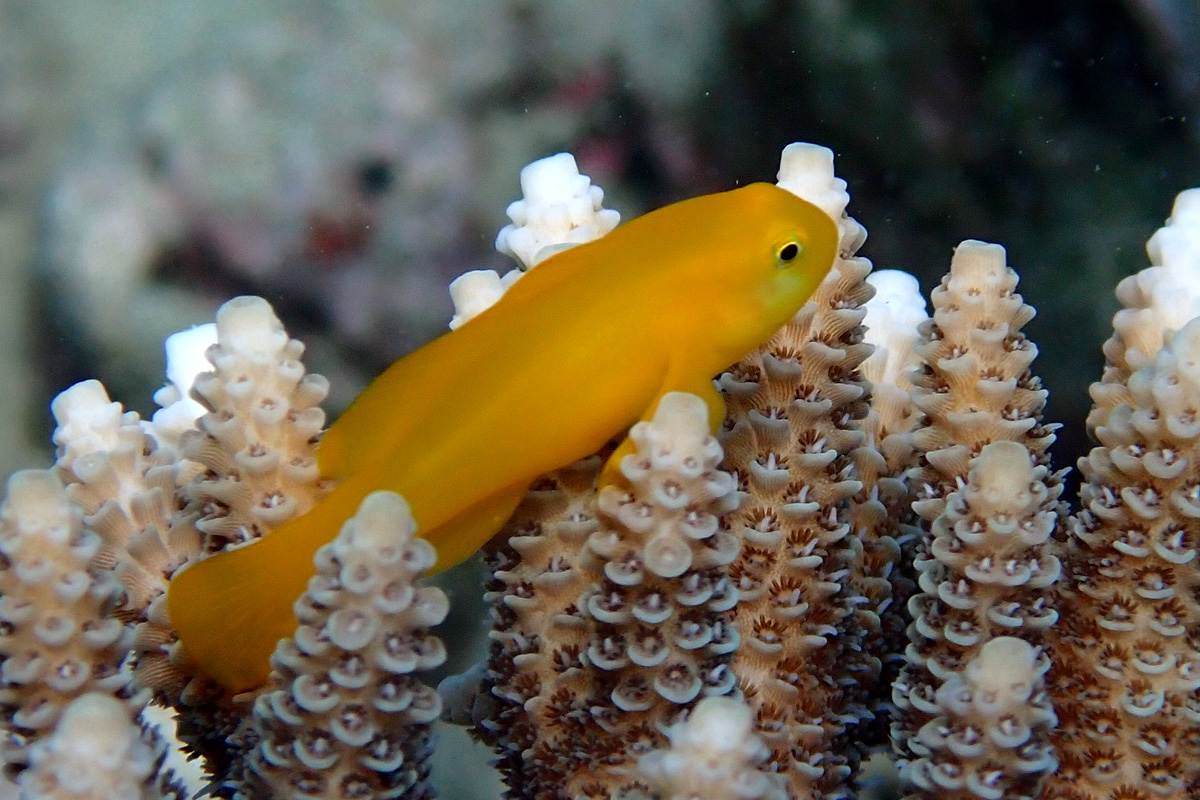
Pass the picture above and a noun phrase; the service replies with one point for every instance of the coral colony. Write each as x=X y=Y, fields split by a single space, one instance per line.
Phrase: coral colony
x=874 y=547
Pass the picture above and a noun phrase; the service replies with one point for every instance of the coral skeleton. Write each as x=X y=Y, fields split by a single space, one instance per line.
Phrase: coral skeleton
x=722 y=618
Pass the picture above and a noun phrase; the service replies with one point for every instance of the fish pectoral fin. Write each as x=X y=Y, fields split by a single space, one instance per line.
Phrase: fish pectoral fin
x=460 y=536
x=706 y=390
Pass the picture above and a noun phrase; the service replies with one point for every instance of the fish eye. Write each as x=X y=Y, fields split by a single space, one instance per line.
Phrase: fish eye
x=789 y=252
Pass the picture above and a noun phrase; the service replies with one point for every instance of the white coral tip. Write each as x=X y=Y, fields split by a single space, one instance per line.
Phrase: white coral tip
x=1004 y=673
x=554 y=179
x=94 y=752
x=717 y=724
x=185 y=356
x=806 y=170
x=1177 y=244
x=88 y=421
x=1002 y=473
x=475 y=292
x=560 y=209
x=683 y=414
x=383 y=519
x=248 y=325
x=37 y=501
x=893 y=314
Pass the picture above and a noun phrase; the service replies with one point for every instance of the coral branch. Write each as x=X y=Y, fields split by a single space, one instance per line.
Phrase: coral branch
x=1129 y=666
x=987 y=578
x=344 y=717
x=714 y=755
x=790 y=430
x=60 y=639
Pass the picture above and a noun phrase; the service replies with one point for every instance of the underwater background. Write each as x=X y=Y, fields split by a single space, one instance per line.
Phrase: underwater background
x=346 y=160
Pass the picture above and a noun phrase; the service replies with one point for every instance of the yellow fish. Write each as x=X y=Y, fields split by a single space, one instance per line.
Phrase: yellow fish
x=573 y=354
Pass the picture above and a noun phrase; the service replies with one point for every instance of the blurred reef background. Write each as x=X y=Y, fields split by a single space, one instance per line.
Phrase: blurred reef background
x=347 y=159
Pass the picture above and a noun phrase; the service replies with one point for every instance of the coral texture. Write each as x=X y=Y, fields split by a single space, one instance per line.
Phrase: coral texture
x=1130 y=666
x=975 y=386
x=988 y=575
x=124 y=483
x=1156 y=301
x=619 y=613
x=990 y=736
x=97 y=753
x=881 y=516
x=559 y=209
x=344 y=716
x=60 y=638
x=644 y=629
x=793 y=408
x=257 y=442
x=534 y=699
x=714 y=755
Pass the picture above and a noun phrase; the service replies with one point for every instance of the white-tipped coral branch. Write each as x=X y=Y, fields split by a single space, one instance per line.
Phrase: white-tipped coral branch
x=660 y=610
x=988 y=574
x=1129 y=665
x=124 y=483
x=714 y=755
x=789 y=436
x=560 y=209
x=975 y=386
x=258 y=440
x=1156 y=301
x=989 y=738
x=636 y=620
x=344 y=716
x=60 y=638
x=97 y=752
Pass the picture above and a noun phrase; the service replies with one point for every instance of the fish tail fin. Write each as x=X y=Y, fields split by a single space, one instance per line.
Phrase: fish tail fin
x=231 y=609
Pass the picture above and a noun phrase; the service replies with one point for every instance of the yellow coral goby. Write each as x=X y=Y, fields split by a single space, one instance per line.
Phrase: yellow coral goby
x=574 y=353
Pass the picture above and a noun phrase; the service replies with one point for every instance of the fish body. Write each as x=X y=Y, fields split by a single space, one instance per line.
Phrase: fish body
x=573 y=354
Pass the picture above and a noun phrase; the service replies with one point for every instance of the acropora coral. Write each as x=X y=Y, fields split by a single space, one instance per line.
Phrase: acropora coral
x=873 y=543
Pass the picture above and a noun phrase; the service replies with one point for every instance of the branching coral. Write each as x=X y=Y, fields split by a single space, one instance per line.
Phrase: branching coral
x=125 y=485
x=790 y=434
x=257 y=443
x=686 y=627
x=97 y=753
x=1130 y=665
x=343 y=717
x=648 y=628
x=60 y=637
x=986 y=579
x=975 y=386
x=1156 y=301
x=880 y=514
x=714 y=755
x=990 y=736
